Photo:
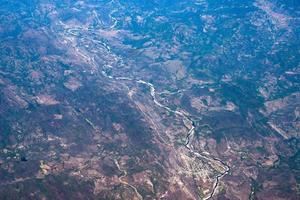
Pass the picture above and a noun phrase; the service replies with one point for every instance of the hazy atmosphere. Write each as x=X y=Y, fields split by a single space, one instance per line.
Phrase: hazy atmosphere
x=150 y=99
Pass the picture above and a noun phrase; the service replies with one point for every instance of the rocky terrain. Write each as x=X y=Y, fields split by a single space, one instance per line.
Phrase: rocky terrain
x=140 y=99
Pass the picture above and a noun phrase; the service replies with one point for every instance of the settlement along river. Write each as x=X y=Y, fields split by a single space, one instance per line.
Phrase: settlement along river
x=191 y=130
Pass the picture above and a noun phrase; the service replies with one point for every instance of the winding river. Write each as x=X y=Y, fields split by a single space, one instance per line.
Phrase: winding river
x=191 y=131
x=188 y=122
